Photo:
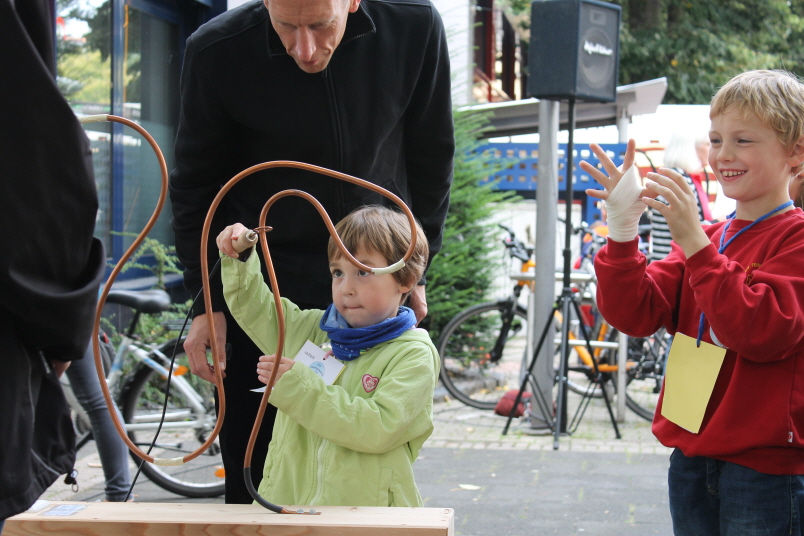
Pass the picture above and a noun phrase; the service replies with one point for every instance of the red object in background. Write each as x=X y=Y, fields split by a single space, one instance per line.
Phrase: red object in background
x=506 y=403
x=588 y=316
x=701 y=183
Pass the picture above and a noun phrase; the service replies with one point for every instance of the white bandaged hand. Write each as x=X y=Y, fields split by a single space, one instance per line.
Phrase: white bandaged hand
x=624 y=207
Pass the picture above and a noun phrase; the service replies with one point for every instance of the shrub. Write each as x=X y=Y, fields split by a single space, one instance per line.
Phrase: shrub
x=461 y=274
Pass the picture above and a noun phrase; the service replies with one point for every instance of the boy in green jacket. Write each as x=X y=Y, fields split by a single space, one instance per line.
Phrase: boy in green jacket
x=352 y=442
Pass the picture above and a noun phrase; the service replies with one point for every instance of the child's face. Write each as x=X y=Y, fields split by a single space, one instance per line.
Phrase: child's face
x=363 y=298
x=750 y=162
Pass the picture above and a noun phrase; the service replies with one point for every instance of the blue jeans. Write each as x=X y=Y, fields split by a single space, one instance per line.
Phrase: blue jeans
x=710 y=497
x=112 y=450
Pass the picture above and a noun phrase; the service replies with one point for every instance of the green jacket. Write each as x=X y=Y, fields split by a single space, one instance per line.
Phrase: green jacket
x=348 y=444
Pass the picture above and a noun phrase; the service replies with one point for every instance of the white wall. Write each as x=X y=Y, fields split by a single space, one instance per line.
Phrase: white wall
x=458 y=19
x=645 y=129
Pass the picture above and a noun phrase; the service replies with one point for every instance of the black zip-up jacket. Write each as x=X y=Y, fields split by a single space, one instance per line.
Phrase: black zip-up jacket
x=50 y=265
x=380 y=111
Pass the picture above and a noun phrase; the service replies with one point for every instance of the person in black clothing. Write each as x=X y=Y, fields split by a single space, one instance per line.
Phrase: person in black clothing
x=51 y=265
x=358 y=87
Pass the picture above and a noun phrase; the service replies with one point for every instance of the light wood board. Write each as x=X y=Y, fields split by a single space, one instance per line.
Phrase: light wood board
x=188 y=519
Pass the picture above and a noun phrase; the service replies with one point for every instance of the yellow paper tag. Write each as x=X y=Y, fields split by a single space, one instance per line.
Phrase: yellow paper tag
x=689 y=381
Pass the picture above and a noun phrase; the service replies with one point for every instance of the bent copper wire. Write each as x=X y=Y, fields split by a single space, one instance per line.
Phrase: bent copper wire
x=102 y=300
x=208 y=297
x=274 y=285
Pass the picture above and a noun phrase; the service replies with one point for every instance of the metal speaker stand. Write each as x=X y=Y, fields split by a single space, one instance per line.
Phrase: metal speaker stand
x=567 y=304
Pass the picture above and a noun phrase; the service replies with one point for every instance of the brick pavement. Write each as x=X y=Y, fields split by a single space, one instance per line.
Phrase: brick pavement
x=459 y=426
x=593 y=484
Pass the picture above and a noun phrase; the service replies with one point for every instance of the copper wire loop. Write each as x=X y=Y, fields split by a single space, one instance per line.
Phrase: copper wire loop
x=262 y=229
x=108 y=286
x=269 y=263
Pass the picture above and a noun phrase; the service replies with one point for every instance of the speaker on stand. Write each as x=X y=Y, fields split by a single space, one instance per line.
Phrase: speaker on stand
x=573 y=55
x=574 y=50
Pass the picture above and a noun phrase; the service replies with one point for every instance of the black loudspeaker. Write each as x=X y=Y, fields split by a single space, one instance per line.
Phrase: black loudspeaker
x=574 y=50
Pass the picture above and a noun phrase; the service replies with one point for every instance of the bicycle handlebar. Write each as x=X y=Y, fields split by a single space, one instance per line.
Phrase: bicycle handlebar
x=583 y=227
x=516 y=248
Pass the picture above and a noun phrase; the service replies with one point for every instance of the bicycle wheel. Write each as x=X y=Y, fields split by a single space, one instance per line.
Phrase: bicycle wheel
x=645 y=366
x=579 y=368
x=469 y=371
x=579 y=379
x=184 y=429
x=647 y=359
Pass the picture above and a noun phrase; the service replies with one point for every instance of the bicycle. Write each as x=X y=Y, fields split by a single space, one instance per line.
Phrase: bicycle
x=484 y=348
x=137 y=378
x=645 y=359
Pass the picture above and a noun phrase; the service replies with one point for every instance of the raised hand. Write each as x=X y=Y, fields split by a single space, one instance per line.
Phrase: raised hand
x=681 y=210
x=228 y=236
x=615 y=174
x=623 y=192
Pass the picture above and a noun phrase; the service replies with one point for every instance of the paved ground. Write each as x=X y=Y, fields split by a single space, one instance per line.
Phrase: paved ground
x=510 y=485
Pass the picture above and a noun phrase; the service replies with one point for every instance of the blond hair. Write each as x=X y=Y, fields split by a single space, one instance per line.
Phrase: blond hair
x=386 y=231
x=776 y=97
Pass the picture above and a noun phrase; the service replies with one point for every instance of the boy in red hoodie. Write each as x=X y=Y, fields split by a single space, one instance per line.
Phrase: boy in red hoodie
x=737 y=285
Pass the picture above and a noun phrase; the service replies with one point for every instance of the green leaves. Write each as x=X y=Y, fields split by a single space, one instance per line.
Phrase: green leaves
x=165 y=260
x=698 y=45
x=461 y=274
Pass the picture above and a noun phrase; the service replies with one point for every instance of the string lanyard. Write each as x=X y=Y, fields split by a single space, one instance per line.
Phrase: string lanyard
x=723 y=247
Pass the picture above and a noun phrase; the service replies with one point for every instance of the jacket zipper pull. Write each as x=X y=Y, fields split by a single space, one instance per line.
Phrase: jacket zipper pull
x=72 y=479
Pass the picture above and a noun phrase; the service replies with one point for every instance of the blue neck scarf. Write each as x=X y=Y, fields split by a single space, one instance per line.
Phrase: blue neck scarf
x=348 y=342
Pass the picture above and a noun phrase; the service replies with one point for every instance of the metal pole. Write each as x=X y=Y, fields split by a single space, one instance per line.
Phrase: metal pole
x=545 y=247
x=622 y=354
x=622 y=125
x=622 y=373
x=566 y=293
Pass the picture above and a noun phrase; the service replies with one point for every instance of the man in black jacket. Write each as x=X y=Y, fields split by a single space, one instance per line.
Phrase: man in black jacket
x=358 y=87
x=50 y=266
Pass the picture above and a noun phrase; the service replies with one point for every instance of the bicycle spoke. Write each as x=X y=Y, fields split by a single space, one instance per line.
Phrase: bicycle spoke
x=186 y=427
x=480 y=360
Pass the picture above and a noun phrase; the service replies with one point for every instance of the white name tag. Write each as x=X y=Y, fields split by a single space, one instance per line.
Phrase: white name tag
x=311 y=355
